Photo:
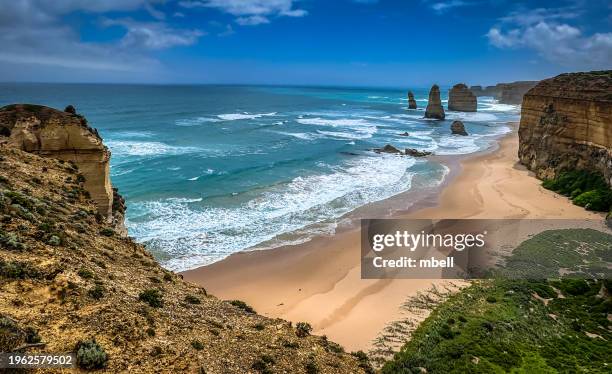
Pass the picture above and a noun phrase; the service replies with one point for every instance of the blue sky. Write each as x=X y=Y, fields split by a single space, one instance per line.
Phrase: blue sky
x=343 y=42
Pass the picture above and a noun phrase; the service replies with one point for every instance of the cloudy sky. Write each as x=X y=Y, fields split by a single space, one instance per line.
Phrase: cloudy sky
x=340 y=42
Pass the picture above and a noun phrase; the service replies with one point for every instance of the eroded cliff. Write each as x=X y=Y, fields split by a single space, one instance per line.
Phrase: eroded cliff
x=63 y=135
x=69 y=283
x=566 y=124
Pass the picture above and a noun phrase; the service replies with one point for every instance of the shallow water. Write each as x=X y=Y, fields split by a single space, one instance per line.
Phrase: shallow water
x=211 y=170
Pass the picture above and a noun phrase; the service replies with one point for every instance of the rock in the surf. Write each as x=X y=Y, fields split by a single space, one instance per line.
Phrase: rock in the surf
x=461 y=99
x=411 y=101
x=457 y=128
x=434 y=106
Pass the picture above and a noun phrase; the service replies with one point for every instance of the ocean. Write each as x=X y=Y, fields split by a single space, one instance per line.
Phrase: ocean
x=211 y=170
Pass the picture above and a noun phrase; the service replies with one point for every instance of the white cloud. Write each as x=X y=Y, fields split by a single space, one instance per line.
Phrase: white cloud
x=33 y=32
x=249 y=12
x=153 y=35
x=252 y=20
x=443 y=6
x=545 y=32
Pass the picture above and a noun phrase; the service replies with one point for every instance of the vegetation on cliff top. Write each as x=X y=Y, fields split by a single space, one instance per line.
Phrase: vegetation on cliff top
x=521 y=326
x=70 y=284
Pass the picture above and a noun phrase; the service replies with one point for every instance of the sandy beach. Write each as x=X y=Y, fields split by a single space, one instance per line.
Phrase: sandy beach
x=319 y=281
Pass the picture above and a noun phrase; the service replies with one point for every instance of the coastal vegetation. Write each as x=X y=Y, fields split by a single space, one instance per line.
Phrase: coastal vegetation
x=72 y=283
x=584 y=188
x=525 y=324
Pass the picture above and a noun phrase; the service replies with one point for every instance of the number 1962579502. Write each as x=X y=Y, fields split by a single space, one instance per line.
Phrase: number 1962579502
x=34 y=360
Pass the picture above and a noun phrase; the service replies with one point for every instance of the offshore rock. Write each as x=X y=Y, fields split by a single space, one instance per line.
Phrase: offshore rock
x=461 y=99
x=457 y=128
x=434 y=105
x=411 y=101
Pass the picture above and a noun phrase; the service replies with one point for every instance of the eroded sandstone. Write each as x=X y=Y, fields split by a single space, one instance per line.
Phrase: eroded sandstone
x=566 y=124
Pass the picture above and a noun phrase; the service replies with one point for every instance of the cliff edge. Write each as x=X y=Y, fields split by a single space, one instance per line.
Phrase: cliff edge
x=566 y=124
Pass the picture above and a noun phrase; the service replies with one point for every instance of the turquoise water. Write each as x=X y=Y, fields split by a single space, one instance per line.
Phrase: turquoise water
x=211 y=170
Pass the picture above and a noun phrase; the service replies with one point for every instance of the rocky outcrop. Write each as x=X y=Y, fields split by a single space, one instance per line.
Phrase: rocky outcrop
x=416 y=153
x=506 y=93
x=461 y=99
x=65 y=136
x=411 y=101
x=457 y=128
x=434 y=105
x=512 y=93
x=566 y=124
x=408 y=151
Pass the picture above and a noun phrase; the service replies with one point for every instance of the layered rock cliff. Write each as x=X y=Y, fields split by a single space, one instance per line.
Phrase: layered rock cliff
x=506 y=93
x=63 y=136
x=434 y=105
x=69 y=283
x=566 y=124
x=461 y=99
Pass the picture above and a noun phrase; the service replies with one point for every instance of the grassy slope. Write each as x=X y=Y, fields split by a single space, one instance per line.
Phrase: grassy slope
x=521 y=326
x=65 y=277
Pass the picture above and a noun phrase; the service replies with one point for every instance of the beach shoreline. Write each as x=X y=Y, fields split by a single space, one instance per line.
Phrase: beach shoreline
x=319 y=281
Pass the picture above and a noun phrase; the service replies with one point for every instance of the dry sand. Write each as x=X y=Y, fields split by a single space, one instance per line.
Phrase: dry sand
x=319 y=281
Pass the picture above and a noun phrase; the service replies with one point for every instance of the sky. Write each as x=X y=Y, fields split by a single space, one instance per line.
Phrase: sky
x=302 y=42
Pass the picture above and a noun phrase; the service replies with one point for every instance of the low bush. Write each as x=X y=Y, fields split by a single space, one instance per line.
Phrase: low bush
x=152 y=296
x=586 y=189
x=197 y=345
x=302 y=329
x=96 y=292
x=242 y=305
x=192 y=299
x=90 y=355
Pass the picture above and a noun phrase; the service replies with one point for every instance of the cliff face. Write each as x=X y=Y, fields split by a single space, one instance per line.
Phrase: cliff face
x=67 y=279
x=434 y=105
x=63 y=136
x=506 y=93
x=461 y=99
x=566 y=124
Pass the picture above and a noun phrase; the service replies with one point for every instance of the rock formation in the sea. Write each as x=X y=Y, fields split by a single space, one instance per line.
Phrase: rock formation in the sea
x=566 y=124
x=63 y=135
x=405 y=133
x=434 y=105
x=387 y=149
x=457 y=128
x=416 y=153
x=461 y=99
x=506 y=93
x=411 y=101
x=407 y=152
x=70 y=283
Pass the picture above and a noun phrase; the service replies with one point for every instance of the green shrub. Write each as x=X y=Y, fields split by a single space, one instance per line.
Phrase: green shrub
x=311 y=366
x=54 y=240
x=192 y=299
x=598 y=200
x=491 y=299
x=151 y=332
x=32 y=336
x=152 y=296
x=242 y=305
x=97 y=292
x=107 y=232
x=586 y=189
x=90 y=355
x=197 y=345
x=302 y=329
x=85 y=274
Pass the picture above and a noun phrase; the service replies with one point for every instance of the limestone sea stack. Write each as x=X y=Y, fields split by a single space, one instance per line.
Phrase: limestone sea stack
x=411 y=101
x=434 y=105
x=457 y=128
x=506 y=93
x=63 y=135
x=461 y=99
x=566 y=124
